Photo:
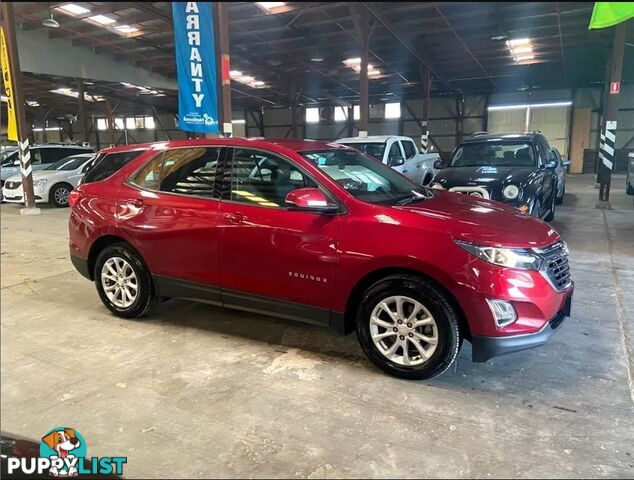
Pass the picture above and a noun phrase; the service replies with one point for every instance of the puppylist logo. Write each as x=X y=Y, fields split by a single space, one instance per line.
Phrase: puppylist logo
x=63 y=453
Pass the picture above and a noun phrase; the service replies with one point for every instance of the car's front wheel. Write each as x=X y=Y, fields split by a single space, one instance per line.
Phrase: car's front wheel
x=123 y=282
x=408 y=328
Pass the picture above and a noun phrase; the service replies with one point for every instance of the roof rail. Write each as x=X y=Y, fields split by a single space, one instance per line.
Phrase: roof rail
x=479 y=133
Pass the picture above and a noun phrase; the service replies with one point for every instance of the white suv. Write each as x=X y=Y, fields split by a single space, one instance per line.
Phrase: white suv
x=400 y=153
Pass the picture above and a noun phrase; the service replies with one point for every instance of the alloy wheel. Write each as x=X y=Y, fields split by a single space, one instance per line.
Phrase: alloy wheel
x=119 y=282
x=403 y=330
x=61 y=195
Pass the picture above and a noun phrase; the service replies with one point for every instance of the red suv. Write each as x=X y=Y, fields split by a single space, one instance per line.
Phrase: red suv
x=319 y=233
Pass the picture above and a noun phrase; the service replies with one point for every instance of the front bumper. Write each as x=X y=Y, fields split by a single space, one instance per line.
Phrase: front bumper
x=17 y=195
x=485 y=348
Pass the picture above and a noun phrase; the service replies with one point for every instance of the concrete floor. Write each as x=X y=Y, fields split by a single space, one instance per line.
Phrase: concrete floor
x=197 y=391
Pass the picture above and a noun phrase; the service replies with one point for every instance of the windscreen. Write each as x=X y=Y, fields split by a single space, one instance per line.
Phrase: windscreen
x=373 y=149
x=494 y=154
x=68 y=163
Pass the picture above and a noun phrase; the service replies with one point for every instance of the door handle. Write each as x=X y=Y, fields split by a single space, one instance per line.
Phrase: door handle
x=235 y=217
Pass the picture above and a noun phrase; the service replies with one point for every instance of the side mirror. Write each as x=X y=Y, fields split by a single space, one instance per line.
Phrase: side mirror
x=566 y=163
x=396 y=161
x=551 y=164
x=309 y=200
x=438 y=164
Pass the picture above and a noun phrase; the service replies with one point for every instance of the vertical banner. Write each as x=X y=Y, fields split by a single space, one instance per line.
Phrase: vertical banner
x=12 y=123
x=196 y=66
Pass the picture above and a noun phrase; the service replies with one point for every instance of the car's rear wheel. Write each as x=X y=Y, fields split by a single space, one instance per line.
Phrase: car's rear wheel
x=58 y=197
x=123 y=282
x=408 y=328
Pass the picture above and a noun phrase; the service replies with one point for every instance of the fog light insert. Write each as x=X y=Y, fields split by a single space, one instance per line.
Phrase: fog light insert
x=503 y=312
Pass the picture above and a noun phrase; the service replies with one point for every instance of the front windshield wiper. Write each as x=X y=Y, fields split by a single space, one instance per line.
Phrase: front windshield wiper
x=414 y=197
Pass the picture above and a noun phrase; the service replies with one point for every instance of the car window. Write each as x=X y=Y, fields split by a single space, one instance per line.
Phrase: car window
x=395 y=151
x=51 y=155
x=107 y=165
x=261 y=178
x=188 y=171
x=69 y=163
x=409 y=148
x=7 y=158
x=494 y=154
x=373 y=149
x=149 y=176
x=36 y=156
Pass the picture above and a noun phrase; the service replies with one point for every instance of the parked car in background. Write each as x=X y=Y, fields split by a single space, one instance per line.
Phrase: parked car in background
x=560 y=170
x=320 y=233
x=53 y=184
x=629 y=179
x=518 y=169
x=41 y=157
x=400 y=153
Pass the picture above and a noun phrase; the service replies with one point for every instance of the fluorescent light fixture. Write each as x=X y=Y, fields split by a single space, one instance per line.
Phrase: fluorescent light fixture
x=352 y=61
x=101 y=20
x=340 y=114
x=355 y=64
x=142 y=90
x=48 y=129
x=32 y=103
x=518 y=41
x=72 y=9
x=312 y=115
x=532 y=105
x=252 y=82
x=73 y=93
x=239 y=121
x=392 y=110
x=521 y=49
x=149 y=123
x=269 y=7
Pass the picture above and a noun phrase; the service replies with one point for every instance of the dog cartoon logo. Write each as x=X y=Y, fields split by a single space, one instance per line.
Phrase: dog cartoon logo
x=67 y=445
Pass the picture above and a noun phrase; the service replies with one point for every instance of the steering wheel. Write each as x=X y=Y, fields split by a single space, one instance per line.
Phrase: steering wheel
x=350 y=183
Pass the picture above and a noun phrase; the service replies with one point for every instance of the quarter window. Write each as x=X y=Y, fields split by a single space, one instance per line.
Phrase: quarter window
x=108 y=165
x=261 y=178
x=150 y=175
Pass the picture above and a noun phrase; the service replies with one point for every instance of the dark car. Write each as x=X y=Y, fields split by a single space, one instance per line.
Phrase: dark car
x=518 y=169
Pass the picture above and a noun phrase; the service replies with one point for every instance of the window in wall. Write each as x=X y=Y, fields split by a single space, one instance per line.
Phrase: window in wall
x=119 y=123
x=138 y=122
x=356 y=112
x=312 y=115
x=130 y=123
x=340 y=114
x=149 y=122
x=392 y=110
x=102 y=124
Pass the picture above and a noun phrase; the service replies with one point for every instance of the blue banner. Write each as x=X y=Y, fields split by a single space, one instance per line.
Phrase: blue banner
x=196 y=65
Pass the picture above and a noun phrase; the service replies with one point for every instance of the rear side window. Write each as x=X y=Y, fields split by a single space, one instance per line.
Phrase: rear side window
x=108 y=165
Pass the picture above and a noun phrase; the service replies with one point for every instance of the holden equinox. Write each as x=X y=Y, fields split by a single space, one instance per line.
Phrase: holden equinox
x=319 y=233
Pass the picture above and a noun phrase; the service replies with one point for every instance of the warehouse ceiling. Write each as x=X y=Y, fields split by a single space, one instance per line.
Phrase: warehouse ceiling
x=306 y=44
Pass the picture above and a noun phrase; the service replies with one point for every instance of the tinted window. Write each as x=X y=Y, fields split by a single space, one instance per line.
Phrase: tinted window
x=7 y=158
x=261 y=178
x=150 y=175
x=36 y=156
x=494 y=154
x=50 y=155
x=188 y=171
x=409 y=147
x=108 y=165
x=395 y=151
x=370 y=181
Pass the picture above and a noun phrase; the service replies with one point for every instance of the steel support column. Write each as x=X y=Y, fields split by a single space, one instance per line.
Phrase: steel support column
x=364 y=106
x=608 y=126
x=8 y=24
x=222 y=32
x=424 y=118
x=81 y=104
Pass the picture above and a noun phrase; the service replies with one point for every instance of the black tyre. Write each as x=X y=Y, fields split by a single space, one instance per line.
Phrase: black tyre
x=123 y=282
x=560 y=199
x=408 y=328
x=551 y=212
x=58 y=196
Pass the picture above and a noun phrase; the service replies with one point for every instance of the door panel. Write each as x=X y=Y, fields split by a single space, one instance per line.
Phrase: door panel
x=266 y=249
x=175 y=222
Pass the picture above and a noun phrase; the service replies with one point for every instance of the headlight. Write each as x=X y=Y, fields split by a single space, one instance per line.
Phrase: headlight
x=505 y=257
x=437 y=186
x=40 y=182
x=510 y=192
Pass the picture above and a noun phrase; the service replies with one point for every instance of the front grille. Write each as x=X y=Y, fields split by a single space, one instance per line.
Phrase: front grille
x=12 y=185
x=557 y=268
x=479 y=192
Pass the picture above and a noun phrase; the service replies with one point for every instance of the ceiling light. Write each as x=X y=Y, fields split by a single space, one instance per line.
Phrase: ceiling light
x=269 y=7
x=72 y=9
x=51 y=22
x=73 y=93
x=352 y=61
x=316 y=58
x=534 y=105
x=498 y=37
x=252 y=82
x=101 y=20
x=32 y=103
x=518 y=42
x=523 y=58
